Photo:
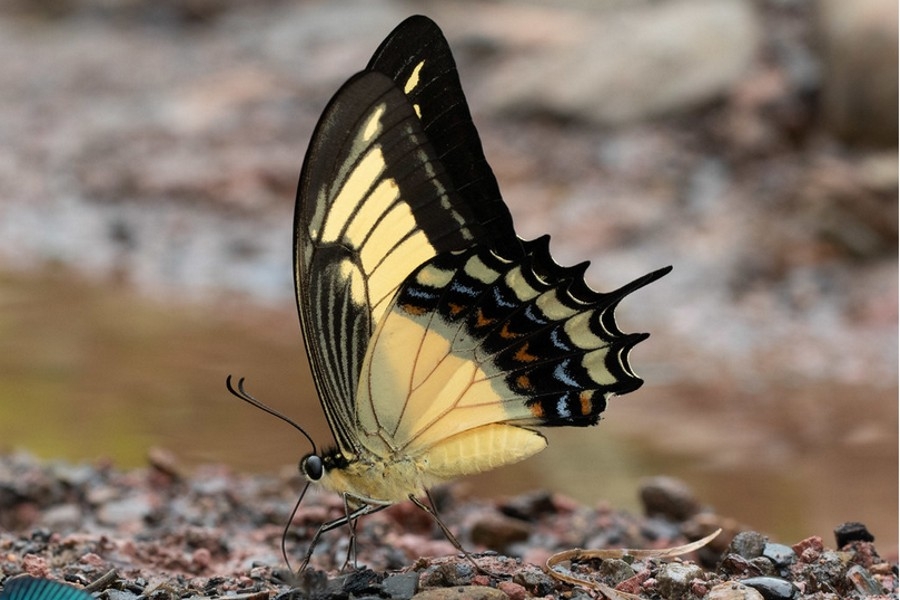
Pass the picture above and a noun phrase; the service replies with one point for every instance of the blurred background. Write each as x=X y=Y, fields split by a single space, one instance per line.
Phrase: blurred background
x=149 y=158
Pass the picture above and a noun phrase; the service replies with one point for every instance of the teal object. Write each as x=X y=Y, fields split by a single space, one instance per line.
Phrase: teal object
x=32 y=588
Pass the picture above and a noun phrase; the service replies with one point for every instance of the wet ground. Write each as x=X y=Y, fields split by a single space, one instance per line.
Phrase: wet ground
x=115 y=375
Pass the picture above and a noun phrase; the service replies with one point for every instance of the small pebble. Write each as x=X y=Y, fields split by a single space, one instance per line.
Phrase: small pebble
x=401 y=585
x=772 y=588
x=735 y=564
x=448 y=574
x=748 y=544
x=529 y=507
x=536 y=582
x=513 y=590
x=470 y=592
x=635 y=584
x=131 y=510
x=851 y=532
x=674 y=579
x=668 y=497
x=731 y=590
x=63 y=517
x=616 y=570
x=497 y=532
x=813 y=544
x=780 y=555
x=864 y=583
x=114 y=594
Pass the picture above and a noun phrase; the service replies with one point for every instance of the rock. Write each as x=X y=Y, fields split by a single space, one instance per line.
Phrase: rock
x=616 y=570
x=131 y=510
x=628 y=62
x=63 y=516
x=859 y=55
x=114 y=594
x=733 y=591
x=809 y=549
x=748 y=544
x=851 y=532
x=674 y=579
x=668 y=497
x=863 y=582
x=781 y=556
x=497 y=532
x=472 y=592
x=771 y=588
x=448 y=574
x=513 y=590
x=536 y=582
x=529 y=506
x=400 y=585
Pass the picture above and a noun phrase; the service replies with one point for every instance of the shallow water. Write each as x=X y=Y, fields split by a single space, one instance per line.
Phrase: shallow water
x=90 y=370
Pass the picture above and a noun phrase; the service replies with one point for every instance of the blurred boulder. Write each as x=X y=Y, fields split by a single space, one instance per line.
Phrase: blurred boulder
x=624 y=62
x=858 y=42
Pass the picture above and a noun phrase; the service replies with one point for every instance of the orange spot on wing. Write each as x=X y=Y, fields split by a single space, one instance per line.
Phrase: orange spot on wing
x=506 y=334
x=523 y=383
x=523 y=356
x=455 y=309
x=587 y=403
x=481 y=320
x=537 y=410
x=412 y=309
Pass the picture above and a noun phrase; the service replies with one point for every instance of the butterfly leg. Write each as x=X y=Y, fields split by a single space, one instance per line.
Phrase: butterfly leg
x=432 y=511
x=351 y=525
x=348 y=518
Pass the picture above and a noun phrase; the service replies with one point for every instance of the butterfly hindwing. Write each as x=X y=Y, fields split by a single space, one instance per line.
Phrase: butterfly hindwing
x=491 y=344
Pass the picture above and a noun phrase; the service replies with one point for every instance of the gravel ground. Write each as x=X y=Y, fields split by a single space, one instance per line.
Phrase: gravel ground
x=160 y=534
x=146 y=137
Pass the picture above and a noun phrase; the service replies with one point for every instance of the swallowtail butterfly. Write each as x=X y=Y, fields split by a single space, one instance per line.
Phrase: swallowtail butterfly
x=438 y=338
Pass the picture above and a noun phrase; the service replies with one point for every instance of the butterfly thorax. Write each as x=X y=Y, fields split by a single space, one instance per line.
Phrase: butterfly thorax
x=367 y=478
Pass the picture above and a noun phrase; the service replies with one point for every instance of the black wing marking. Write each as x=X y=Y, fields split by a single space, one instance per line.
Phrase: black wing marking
x=417 y=57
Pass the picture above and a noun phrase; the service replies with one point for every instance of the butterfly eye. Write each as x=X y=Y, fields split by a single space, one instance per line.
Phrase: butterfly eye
x=311 y=467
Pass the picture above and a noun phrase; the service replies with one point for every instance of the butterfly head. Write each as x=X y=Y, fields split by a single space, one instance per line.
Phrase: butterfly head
x=315 y=466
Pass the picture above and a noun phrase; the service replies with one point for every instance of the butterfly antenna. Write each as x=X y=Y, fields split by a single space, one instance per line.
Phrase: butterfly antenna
x=241 y=393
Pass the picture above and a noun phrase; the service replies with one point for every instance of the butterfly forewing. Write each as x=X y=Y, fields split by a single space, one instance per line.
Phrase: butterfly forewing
x=378 y=196
x=417 y=57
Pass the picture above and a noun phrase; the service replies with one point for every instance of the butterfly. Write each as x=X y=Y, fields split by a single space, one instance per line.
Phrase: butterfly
x=31 y=588
x=438 y=339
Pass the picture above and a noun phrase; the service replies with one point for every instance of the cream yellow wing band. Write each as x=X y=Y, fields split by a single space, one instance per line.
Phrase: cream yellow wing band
x=481 y=449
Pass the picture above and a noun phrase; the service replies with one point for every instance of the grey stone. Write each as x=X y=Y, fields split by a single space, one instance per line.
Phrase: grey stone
x=629 y=62
x=772 y=588
x=674 y=579
x=749 y=544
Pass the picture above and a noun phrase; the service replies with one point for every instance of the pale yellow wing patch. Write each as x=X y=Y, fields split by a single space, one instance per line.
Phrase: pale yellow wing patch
x=482 y=449
x=418 y=393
